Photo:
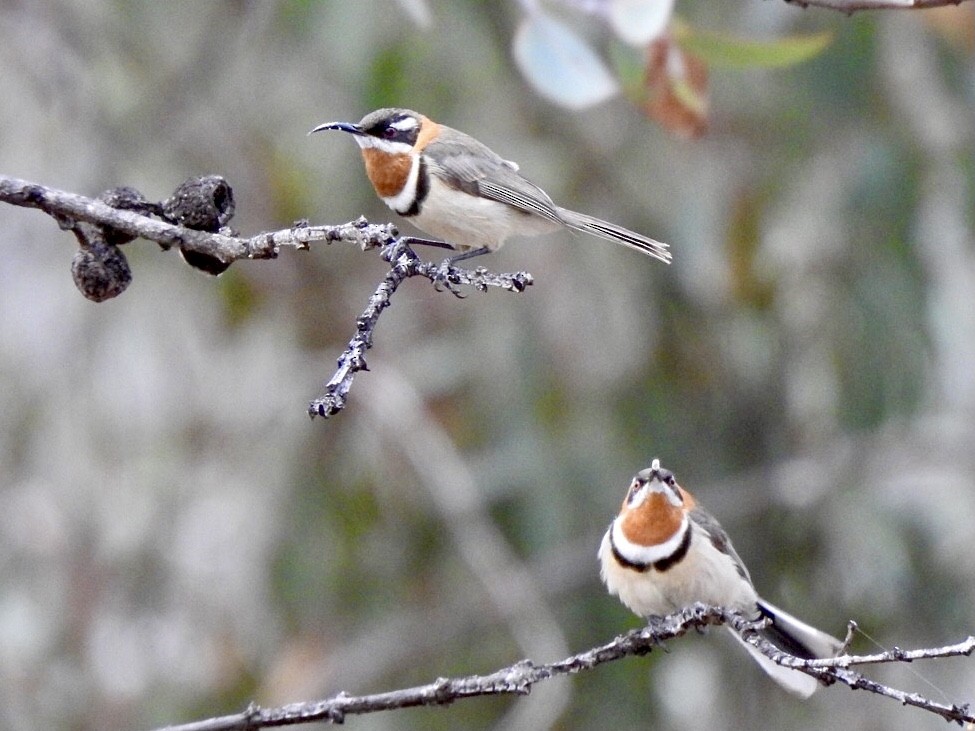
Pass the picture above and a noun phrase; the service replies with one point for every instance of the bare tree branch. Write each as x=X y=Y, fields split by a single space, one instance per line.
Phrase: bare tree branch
x=851 y=6
x=836 y=669
x=227 y=248
x=103 y=272
x=518 y=679
x=405 y=264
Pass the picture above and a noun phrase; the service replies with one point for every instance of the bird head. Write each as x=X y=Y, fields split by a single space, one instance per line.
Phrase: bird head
x=653 y=511
x=394 y=131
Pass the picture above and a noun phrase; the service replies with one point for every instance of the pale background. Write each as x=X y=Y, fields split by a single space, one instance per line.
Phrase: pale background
x=178 y=539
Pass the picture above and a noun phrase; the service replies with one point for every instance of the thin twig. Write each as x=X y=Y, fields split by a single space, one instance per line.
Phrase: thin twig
x=518 y=679
x=405 y=264
x=851 y=6
x=836 y=669
x=963 y=648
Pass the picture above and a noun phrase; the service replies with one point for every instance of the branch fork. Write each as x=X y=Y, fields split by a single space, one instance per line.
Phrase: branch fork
x=404 y=263
x=194 y=220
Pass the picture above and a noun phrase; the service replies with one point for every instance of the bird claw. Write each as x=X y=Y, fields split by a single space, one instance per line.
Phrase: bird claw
x=441 y=280
x=657 y=627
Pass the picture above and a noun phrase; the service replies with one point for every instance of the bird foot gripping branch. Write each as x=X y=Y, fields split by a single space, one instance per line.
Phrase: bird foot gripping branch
x=400 y=253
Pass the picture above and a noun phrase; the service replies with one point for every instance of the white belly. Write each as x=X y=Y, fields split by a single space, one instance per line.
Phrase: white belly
x=704 y=575
x=469 y=222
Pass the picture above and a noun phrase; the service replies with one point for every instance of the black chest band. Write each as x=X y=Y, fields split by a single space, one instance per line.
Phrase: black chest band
x=662 y=564
x=422 y=189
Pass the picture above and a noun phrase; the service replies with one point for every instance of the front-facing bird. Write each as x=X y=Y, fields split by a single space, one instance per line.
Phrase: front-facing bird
x=664 y=552
x=452 y=186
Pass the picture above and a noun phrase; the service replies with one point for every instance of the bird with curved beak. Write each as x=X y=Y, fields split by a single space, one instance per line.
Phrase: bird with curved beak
x=453 y=187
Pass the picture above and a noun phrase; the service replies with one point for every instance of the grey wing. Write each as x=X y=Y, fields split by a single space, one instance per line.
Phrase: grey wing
x=475 y=168
x=719 y=539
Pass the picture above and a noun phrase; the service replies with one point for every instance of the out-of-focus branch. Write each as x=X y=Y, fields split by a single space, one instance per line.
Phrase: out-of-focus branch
x=518 y=679
x=852 y=6
x=512 y=591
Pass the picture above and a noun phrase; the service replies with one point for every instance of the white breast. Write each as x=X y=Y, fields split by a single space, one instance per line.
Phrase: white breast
x=705 y=574
x=470 y=222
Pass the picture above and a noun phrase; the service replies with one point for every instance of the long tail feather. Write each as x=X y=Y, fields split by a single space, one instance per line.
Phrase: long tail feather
x=794 y=681
x=612 y=232
x=797 y=638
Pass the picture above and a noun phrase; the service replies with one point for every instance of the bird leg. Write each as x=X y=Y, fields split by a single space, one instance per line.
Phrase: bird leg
x=414 y=240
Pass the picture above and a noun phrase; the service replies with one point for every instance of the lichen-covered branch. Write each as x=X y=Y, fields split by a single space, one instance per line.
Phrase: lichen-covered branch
x=837 y=669
x=194 y=220
x=137 y=221
x=518 y=679
x=405 y=264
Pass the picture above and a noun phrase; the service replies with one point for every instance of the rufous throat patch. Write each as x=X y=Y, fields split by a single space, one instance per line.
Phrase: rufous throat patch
x=655 y=521
x=387 y=173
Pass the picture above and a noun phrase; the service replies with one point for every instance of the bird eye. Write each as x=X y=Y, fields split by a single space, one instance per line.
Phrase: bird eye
x=390 y=132
x=634 y=488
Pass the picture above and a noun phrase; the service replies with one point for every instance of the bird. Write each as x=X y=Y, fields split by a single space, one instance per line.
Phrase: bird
x=664 y=552
x=454 y=187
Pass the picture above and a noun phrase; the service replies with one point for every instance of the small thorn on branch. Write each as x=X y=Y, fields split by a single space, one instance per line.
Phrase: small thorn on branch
x=442 y=691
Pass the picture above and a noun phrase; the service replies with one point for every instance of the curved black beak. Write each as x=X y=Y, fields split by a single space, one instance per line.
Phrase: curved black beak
x=344 y=126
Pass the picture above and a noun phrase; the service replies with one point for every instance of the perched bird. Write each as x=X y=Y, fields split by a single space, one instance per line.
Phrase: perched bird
x=451 y=186
x=664 y=552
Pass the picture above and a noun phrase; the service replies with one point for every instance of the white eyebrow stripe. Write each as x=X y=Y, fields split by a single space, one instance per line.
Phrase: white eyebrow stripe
x=405 y=124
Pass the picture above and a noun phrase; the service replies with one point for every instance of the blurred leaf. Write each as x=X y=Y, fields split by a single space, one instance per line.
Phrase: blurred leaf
x=727 y=51
x=640 y=21
x=297 y=16
x=560 y=64
x=677 y=86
